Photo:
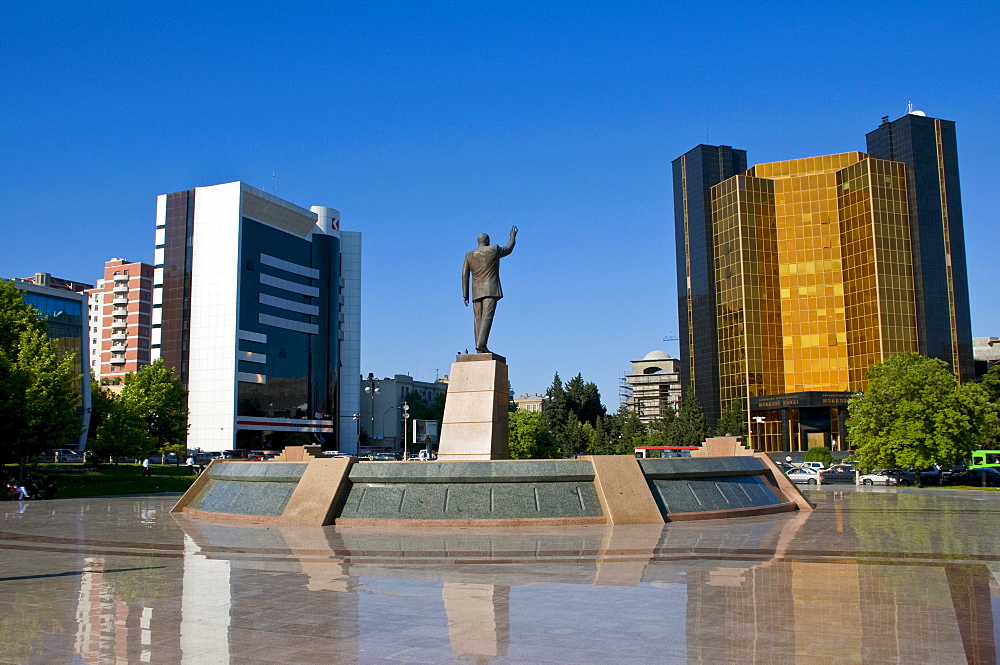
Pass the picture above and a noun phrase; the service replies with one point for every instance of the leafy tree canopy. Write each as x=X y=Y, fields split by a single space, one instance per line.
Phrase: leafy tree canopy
x=991 y=383
x=529 y=438
x=120 y=433
x=914 y=414
x=159 y=399
x=38 y=395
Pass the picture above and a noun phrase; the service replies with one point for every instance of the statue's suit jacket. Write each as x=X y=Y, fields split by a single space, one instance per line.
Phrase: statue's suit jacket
x=484 y=264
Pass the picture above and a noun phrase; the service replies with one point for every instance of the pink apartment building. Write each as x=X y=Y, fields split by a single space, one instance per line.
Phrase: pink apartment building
x=120 y=312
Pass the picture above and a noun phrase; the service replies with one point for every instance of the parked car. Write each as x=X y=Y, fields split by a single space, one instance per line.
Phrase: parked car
x=985 y=477
x=159 y=459
x=61 y=455
x=255 y=457
x=817 y=466
x=888 y=477
x=955 y=470
x=386 y=457
x=931 y=475
x=838 y=473
x=803 y=476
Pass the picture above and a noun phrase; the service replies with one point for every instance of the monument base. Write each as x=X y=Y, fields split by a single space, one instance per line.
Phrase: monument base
x=475 y=414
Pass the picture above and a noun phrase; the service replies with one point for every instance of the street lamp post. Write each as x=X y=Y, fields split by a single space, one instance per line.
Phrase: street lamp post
x=371 y=389
x=406 y=418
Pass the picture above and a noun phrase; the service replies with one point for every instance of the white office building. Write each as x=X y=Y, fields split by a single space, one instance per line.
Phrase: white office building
x=257 y=304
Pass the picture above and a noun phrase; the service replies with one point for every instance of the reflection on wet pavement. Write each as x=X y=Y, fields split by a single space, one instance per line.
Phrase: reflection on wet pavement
x=871 y=576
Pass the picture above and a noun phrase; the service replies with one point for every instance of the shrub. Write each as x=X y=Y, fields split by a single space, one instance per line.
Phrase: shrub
x=819 y=454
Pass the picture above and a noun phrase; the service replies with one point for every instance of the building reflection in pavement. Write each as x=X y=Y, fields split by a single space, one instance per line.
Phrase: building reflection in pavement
x=781 y=589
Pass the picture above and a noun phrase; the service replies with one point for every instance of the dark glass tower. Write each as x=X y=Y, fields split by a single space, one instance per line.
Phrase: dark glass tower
x=928 y=148
x=695 y=173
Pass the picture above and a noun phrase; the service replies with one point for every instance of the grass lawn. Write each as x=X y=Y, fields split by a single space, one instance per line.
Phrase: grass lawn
x=74 y=480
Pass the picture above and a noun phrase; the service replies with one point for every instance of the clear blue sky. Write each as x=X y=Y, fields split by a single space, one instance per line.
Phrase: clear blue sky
x=426 y=123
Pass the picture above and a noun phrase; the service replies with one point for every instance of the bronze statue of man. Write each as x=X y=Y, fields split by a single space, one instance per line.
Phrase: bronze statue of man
x=483 y=263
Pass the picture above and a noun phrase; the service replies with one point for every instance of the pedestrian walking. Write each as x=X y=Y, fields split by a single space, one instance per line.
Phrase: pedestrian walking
x=190 y=465
x=145 y=467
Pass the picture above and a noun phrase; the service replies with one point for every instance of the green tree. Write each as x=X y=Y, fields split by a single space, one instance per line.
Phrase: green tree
x=121 y=433
x=16 y=317
x=38 y=391
x=733 y=420
x=102 y=402
x=602 y=444
x=991 y=383
x=914 y=414
x=689 y=427
x=556 y=410
x=159 y=399
x=625 y=431
x=529 y=438
x=661 y=429
x=584 y=399
x=575 y=437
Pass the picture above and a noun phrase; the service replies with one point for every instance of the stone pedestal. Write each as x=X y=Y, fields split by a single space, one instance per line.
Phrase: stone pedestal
x=475 y=415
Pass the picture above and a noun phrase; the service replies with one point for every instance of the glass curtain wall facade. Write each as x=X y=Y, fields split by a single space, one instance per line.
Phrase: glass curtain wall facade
x=794 y=277
x=814 y=283
x=67 y=326
x=694 y=174
x=929 y=149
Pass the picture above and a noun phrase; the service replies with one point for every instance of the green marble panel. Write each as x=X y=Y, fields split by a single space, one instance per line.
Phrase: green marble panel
x=244 y=498
x=688 y=495
x=465 y=500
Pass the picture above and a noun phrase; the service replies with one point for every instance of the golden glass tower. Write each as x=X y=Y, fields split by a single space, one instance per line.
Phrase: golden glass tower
x=813 y=284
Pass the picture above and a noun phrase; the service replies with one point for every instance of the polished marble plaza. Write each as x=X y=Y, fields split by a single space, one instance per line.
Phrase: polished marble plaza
x=873 y=575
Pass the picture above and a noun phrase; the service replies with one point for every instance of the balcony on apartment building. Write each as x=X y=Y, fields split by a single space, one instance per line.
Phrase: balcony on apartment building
x=120 y=287
x=119 y=336
x=119 y=300
x=118 y=359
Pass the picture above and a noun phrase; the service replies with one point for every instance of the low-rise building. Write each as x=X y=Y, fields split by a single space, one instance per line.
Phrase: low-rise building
x=382 y=414
x=985 y=353
x=528 y=402
x=653 y=387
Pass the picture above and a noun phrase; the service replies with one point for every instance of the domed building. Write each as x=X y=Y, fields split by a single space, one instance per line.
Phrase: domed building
x=653 y=386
